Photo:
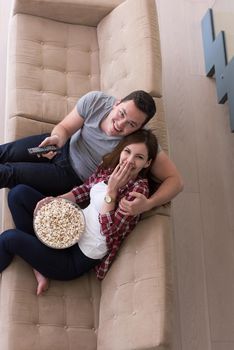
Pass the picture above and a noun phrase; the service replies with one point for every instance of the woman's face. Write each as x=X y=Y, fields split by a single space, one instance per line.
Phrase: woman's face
x=136 y=156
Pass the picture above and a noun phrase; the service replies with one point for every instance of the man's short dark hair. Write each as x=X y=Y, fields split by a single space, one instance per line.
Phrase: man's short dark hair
x=143 y=101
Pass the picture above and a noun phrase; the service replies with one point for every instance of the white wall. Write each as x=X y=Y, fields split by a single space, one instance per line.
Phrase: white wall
x=5 y=7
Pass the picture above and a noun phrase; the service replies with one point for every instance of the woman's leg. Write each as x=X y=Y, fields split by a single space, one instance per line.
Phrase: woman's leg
x=59 y=264
x=22 y=201
x=42 y=282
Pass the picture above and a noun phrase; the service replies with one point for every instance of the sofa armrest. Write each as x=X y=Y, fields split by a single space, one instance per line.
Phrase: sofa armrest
x=84 y=12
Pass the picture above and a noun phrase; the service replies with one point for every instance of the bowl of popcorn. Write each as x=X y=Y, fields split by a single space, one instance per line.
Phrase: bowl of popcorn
x=59 y=223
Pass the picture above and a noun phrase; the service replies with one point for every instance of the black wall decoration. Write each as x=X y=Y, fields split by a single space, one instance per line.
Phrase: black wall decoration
x=216 y=63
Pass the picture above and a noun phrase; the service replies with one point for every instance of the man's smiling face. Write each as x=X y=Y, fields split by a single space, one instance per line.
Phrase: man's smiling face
x=124 y=119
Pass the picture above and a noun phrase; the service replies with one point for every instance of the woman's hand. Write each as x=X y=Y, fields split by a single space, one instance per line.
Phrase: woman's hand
x=69 y=196
x=41 y=203
x=119 y=177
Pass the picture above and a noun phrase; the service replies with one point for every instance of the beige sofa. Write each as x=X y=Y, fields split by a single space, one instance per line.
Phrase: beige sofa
x=59 y=50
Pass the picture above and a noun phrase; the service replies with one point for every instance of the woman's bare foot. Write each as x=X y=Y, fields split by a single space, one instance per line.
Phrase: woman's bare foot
x=43 y=282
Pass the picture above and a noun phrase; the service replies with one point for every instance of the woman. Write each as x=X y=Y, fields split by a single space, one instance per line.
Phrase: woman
x=121 y=172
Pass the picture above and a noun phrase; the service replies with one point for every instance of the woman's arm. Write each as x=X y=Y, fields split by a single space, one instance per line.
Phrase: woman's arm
x=81 y=193
x=69 y=196
x=118 y=178
x=115 y=226
x=114 y=221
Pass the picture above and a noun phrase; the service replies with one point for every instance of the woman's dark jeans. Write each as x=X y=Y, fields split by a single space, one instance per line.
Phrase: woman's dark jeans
x=60 y=264
x=50 y=177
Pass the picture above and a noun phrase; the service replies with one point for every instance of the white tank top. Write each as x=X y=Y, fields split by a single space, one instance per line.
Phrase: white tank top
x=92 y=243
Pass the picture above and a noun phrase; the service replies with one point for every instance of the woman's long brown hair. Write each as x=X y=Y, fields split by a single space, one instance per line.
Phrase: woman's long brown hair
x=146 y=136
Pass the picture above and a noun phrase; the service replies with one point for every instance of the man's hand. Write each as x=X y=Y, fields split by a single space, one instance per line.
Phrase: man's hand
x=50 y=140
x=135 y=207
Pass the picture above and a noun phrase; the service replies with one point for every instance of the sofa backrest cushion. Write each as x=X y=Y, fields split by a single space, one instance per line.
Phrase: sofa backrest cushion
x=129 y=44
x=51 y=64
x=85 y=12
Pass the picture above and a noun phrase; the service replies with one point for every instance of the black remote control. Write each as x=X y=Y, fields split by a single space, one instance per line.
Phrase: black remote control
x=43 y=150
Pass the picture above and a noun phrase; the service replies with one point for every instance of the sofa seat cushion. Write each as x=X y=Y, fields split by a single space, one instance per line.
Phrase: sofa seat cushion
x=136 y=301
x=51 y=65
x=64 y=316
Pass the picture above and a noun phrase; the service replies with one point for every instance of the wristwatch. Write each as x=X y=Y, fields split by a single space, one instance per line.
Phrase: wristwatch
x=108 y=199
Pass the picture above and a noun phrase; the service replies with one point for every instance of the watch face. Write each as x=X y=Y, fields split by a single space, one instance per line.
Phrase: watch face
x=107 y=199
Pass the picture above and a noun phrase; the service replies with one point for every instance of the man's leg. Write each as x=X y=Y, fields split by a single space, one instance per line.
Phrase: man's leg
x=51 y=177
x=48 y=178
x=16 y=151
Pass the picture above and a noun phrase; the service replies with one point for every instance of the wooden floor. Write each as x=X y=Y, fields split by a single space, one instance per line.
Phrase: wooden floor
x=202 y=147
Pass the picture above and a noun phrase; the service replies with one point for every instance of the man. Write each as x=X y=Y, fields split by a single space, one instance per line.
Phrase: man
x=90 y=130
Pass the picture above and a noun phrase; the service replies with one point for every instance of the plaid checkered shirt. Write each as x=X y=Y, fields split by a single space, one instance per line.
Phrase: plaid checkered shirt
x=114 y=225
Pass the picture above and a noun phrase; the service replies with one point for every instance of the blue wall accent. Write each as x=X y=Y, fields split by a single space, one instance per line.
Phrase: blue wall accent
x=216 y=63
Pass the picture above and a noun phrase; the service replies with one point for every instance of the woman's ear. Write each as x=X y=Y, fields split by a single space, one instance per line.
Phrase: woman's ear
x=147 y=164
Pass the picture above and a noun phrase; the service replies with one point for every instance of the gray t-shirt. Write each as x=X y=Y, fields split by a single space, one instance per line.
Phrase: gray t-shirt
x=90 y=143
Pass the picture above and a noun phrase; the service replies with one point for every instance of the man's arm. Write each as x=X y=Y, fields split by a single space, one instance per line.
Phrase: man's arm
x=165 y=171
x=65 y=129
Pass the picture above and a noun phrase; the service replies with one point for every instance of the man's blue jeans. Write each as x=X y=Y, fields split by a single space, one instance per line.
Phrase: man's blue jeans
x=50 y=177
